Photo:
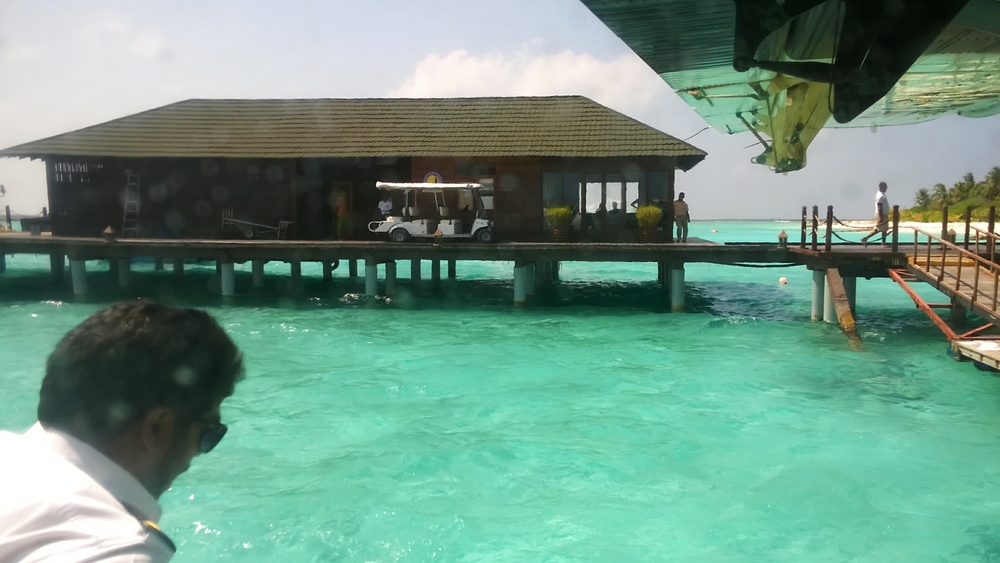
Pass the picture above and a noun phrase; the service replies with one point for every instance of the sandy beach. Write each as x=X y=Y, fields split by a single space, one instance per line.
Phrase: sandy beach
x=935 y=228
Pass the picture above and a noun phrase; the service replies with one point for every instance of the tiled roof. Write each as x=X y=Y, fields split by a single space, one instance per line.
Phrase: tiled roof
x=559 y=126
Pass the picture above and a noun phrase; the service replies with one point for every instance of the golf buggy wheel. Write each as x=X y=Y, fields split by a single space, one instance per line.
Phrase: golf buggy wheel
x=399 y=235
x=486 y=236
x=248 y=233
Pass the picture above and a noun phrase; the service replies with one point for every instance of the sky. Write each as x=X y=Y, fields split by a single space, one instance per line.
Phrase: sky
x=65 y=65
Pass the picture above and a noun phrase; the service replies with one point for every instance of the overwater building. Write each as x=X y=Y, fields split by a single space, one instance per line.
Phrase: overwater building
x=177 y=171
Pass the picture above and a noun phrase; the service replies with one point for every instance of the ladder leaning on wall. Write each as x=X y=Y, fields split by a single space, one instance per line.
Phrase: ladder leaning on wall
x=130 y=219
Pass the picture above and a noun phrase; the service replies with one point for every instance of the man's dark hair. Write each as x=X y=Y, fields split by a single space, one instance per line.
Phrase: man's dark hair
x=124 y=360
x=883 y=185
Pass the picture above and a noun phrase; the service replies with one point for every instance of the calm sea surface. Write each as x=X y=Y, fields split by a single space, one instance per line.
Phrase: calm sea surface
x=592 y=425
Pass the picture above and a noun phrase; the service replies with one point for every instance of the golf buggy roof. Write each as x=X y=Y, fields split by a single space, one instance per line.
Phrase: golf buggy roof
x=424 y=186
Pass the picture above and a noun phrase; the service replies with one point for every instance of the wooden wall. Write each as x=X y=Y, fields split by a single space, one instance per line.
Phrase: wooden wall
x=186 y=197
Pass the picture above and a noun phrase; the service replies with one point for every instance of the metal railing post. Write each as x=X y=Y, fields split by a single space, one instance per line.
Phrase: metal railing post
x=968 y=220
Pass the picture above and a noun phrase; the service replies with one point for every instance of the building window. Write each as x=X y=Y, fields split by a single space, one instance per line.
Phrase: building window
x=78 y=172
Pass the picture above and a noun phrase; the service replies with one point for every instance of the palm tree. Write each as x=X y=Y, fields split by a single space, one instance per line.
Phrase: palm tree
x=962 y=190
x=923 y=198
x=991 y=185
x=939 y=195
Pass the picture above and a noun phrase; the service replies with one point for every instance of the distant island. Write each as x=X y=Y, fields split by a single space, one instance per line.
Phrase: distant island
x=967 y=193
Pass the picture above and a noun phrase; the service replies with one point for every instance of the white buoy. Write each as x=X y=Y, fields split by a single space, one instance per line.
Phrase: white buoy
x=782 y=280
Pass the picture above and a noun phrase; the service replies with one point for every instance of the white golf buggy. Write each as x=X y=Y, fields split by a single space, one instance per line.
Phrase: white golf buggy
x=412 y=223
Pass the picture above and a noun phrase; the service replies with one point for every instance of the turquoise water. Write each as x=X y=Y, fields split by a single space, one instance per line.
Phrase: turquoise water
x=591 y=425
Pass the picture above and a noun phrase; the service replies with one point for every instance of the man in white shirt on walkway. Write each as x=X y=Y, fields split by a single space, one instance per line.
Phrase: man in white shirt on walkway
x=129 y=398
x=881 y=215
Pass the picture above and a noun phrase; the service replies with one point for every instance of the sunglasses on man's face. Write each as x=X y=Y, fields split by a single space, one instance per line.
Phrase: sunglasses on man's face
x=211 y=434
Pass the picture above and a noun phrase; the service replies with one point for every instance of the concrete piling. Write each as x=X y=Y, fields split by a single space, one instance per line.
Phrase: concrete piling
x=818 y=289
x=371 y=277
x=78 y=271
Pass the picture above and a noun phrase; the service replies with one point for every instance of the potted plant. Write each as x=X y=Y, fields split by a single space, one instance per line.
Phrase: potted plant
x=648 y=217
x=559 y=218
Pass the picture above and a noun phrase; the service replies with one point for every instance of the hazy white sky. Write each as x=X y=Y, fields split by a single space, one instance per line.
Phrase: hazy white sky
x=69 y=64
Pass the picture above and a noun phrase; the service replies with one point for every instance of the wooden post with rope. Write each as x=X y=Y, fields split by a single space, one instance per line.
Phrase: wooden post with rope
x=805 y=226
x=895 y=228
x=815 y=222
x=829 y=229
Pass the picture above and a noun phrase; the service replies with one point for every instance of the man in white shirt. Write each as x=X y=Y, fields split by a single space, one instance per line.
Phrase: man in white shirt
x=129 y=398
x=385 y=207
x=881 y=215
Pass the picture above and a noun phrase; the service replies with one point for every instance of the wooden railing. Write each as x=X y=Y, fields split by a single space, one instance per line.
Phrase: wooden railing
x=944 y=254
x=989 y=242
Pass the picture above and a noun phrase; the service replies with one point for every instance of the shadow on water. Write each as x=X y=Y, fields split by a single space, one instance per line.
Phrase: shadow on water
x=201 y=287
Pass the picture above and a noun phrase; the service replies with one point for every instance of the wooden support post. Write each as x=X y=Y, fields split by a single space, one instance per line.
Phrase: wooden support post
x=944 y=222
x=3 y=262
x=415 y=272
x=436 y=271
x=895 y=228
x=957 y=315
x=555 y=270
x=257 y=267
x=677 y=286
x=159 y=265
x=968 y=221
x=530 y=279
x=10 y=225
x=327 y=271
x=352 y=268
x=851 y=289
x=390 y=278
x=113 y=267
x=818 y=285
x=371 y=277
x=58 y=264
x=78 y=269
x=815 y=233
x=452 y=269
x=228 y=276
x=829 y=228
x=295 y=269
x=805 y=226
x=841 y=305
x=990 y=245
x=178 y=268
x=124 y=271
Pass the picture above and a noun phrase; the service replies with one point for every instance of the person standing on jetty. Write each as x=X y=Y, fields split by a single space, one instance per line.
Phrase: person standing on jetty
x=881 y=215
x=129 y=398
x=681 y=217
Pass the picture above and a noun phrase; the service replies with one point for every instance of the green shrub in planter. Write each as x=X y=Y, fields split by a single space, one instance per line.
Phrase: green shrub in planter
x=648 y=215
x=559 y=216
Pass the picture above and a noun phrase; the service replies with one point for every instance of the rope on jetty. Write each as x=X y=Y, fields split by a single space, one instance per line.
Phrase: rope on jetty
x=745 y=265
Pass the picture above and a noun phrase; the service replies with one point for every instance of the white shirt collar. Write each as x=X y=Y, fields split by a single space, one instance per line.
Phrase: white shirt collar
x=120 y=483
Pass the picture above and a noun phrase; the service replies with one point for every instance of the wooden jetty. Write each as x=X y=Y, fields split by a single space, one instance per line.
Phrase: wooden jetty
x=966 y=273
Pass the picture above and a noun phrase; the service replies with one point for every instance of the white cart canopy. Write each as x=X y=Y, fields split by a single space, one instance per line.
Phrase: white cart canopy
x=424 y=186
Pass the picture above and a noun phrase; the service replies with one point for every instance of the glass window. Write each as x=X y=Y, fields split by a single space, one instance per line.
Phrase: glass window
x=613 y=191
x=631 y=196
x=571 y=190
x=552 y=192
x=592 y=194
x=657 y=186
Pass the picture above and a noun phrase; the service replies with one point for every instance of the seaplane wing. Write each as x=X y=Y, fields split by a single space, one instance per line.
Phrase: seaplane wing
x=784 y=70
